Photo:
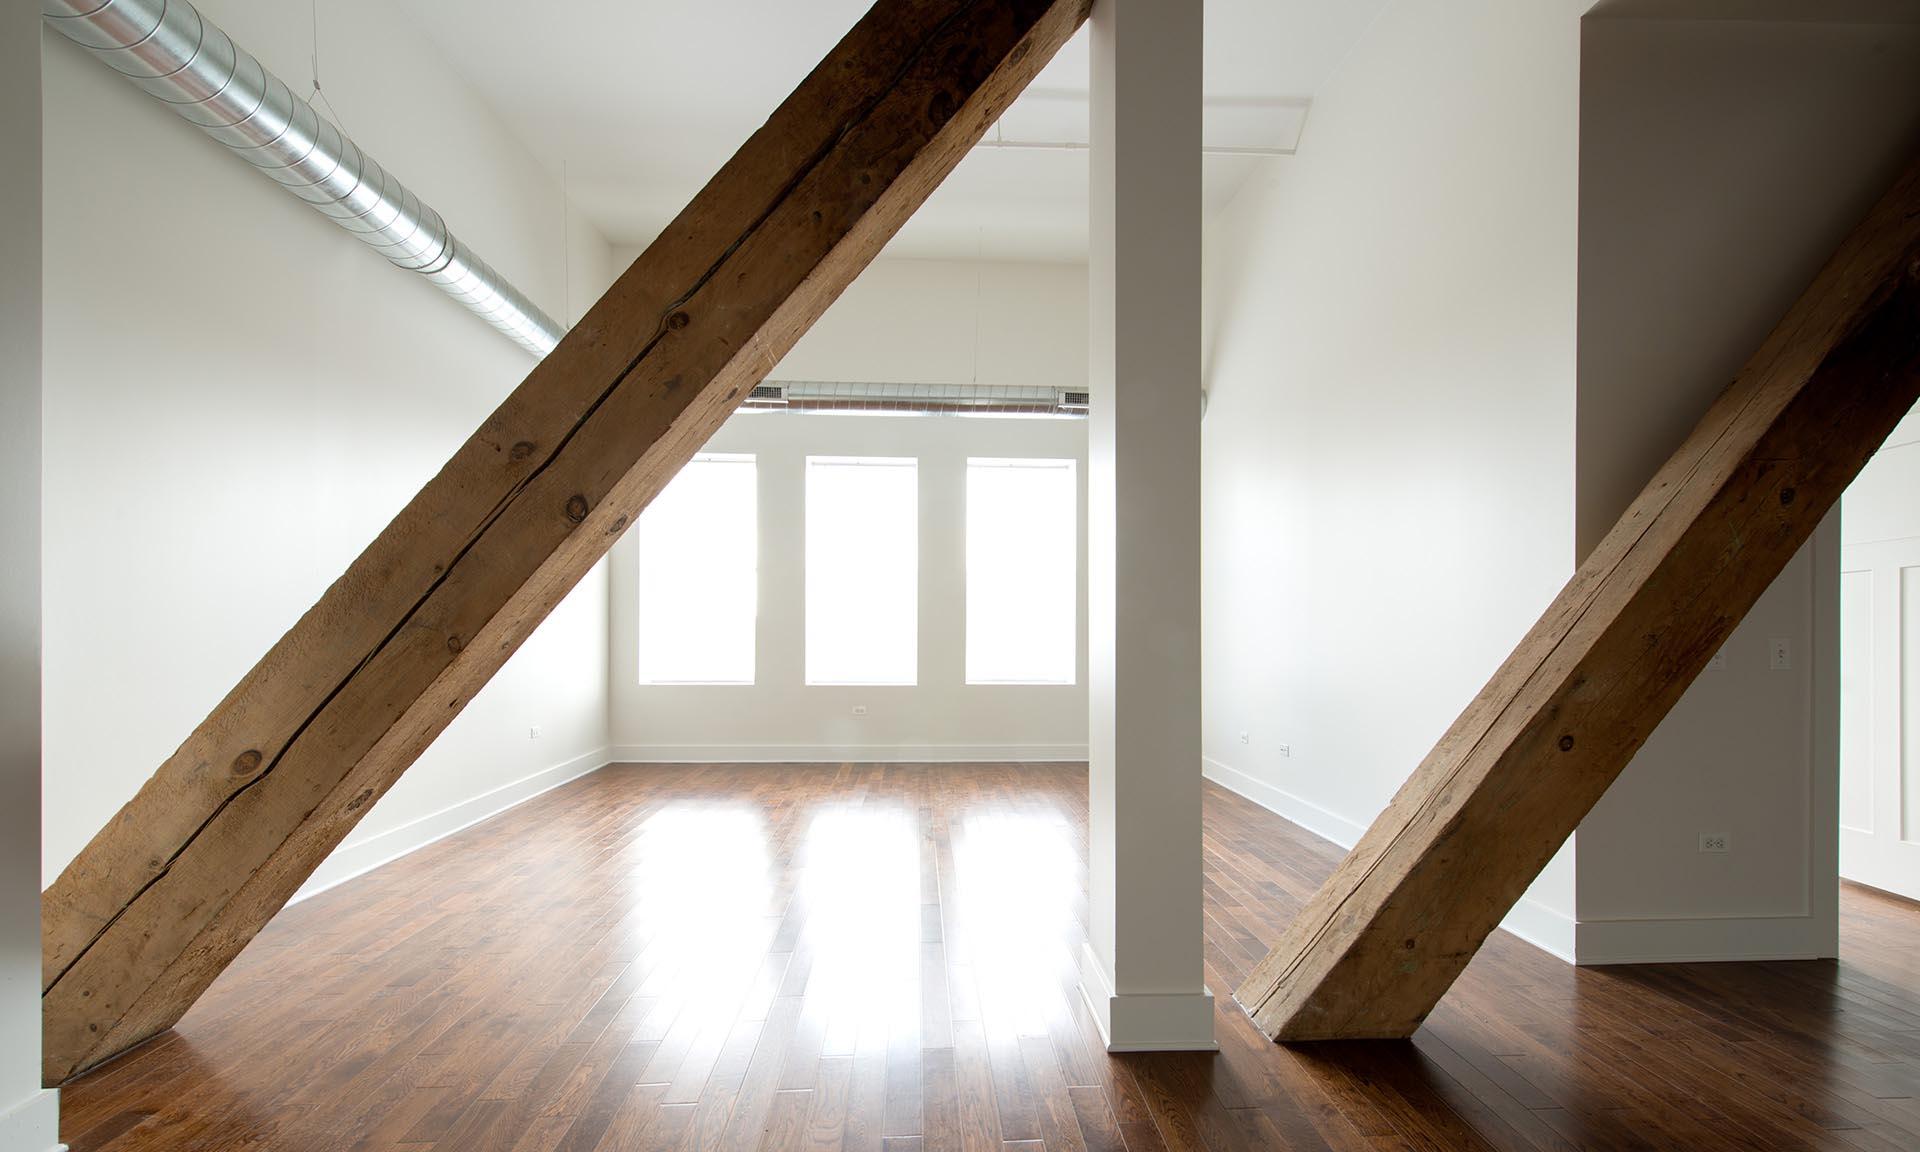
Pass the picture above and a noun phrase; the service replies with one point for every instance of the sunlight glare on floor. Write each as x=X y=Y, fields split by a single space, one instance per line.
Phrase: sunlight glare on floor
x=701 y=895
x=1014 y=879
x=861 y=885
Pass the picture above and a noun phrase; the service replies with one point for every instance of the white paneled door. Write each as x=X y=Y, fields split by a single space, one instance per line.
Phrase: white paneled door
x=1880 y=715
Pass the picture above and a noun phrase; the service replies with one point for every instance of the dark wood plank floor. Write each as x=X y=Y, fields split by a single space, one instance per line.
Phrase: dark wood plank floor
x=883 y=957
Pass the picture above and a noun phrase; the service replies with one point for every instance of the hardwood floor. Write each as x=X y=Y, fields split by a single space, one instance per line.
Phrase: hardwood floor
x=883 y=957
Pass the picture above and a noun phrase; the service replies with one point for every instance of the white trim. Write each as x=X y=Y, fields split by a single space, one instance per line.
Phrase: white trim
x=1315 y=819
x=1547 y=929
x=1699 y=939
x=359 y=858
x=847 y=753
x=1179 y=1022
x=32 y=1125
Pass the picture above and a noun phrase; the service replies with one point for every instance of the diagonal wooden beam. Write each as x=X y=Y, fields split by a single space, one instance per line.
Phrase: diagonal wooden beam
x=228 y=828
x=1384 y=938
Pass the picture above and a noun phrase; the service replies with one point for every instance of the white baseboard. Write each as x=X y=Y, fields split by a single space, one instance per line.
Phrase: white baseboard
x=847 y=753
x=357 y=858
x=1315 y=819
x=33 y=1124
x=1543 y=927
x=1548 y=929
x=1693 y=940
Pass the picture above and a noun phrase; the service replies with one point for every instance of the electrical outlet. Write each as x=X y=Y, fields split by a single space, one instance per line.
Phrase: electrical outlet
x=1717 y=660
x=1779 y=654
x=1245 y=738
x=533 y=732
x=1715 y=842
x=859 y=709
x=1286 y=750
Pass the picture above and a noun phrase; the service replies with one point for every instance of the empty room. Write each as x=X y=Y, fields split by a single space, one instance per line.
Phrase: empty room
x=923 y=575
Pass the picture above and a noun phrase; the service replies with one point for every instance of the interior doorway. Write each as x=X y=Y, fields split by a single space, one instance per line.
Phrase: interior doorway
x=1880 y=669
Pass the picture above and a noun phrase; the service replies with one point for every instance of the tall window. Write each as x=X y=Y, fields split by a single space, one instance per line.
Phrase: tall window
x=699 y=582
x=863 y=570
x=1022 y=571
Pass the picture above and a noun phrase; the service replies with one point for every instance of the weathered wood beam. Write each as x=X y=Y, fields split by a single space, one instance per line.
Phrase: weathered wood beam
x=1384 y=938
x=230 y=826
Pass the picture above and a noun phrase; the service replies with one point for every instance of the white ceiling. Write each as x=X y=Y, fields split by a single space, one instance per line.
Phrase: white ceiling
x=642 y=100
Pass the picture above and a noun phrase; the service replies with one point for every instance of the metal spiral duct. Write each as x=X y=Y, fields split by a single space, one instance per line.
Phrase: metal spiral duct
x=170 y=50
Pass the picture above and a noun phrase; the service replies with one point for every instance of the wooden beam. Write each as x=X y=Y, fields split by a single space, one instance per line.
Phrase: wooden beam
x=231 y=825
x=1384 y=938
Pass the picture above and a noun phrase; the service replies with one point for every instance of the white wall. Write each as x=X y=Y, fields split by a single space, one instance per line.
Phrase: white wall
x=239 y=397
x=1389 y=441
x=1721 y=163
x=29 y=1117
x=947 y=322
x=907 y=321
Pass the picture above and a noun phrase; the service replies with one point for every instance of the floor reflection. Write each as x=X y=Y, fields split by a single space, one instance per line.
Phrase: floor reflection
x=858 y=907
x=1013 y=888
x=700 y=881
x=892 y=916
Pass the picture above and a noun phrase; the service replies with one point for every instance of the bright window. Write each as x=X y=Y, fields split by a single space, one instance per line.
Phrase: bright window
x=1022 y=571
x=699 y=581
x=863 y=570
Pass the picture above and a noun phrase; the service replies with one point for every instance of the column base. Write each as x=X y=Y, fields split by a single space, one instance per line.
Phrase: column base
x=1159 y=1022
x=33 y=1124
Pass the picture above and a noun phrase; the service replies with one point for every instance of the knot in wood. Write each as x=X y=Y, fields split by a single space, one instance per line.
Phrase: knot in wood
x=1786 y=496
x=678 y=321
x=521 y=450
x=454 y=644
x=576 y=508
x=1566 y=743
x=247 y=763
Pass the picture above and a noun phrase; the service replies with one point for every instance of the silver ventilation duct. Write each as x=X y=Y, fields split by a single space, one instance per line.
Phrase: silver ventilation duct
x=179 y=56
x=923 y=399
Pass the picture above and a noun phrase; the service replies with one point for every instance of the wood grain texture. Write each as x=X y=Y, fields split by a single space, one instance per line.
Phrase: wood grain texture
x=227 y=829
x=885 y=954
x=1382 y=941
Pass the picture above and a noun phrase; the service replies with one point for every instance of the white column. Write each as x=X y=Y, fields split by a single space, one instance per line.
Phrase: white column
x=28 y=1116
x=1142 y=971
